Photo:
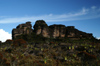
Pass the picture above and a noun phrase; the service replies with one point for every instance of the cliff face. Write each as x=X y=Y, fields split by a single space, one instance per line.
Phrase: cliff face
x=22 y=29
x=57 y=31
x=41 y=28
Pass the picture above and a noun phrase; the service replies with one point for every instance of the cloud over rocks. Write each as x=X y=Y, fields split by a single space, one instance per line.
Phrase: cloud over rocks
x=4 y=35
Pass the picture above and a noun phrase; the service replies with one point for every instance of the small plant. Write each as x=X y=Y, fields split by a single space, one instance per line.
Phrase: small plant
x=66 y=58
x=73 y=47
x=45 y=60
x=42 y=49
x=69 y=47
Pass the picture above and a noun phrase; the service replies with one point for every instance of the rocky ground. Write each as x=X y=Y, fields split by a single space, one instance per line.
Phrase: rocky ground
x=49 y=54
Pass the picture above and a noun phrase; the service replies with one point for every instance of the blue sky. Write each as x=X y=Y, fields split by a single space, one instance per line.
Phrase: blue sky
x=83 y=14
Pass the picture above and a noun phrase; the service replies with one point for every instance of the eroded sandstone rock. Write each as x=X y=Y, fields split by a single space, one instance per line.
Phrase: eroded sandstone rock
x=22 y=29
x=57 y=30
x=42 y=28
x=52 y=31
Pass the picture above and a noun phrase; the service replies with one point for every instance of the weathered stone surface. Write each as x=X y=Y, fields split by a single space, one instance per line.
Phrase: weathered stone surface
x=22 y=29
x=52 y=31
x=57 y=31
x=72 y=32
x=42 y=28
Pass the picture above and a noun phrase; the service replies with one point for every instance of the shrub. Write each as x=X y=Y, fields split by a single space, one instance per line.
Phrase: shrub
x=4 y=60
x=8 y=50
x=87 y=56
x=9 y=41
x=19 y=42
x=7 y=64
x=1 y=56
x=13 y=59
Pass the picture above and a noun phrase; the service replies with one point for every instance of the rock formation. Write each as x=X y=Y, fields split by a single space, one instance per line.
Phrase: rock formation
x=57 y=31
x=52 y=31
x=22 y=29
x=42 y=28
x=72 y=32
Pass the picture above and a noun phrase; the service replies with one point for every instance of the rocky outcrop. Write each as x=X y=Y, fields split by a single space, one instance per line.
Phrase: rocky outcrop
x=57 y=31
x=42 y=28
x=22 y=29
x=52 y=31
x=72 y=32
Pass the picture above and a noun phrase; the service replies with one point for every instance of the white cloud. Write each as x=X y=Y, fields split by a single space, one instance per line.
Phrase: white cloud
x=93 y=7
x=84 y=10
x=83 y=14
x=4 y=35
x=98 y=38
